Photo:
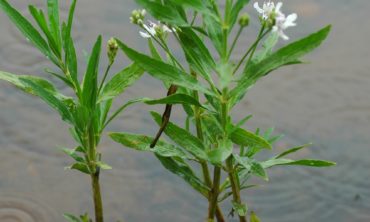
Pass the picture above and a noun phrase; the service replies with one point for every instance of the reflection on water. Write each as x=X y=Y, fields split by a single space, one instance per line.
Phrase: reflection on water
x=326 y=102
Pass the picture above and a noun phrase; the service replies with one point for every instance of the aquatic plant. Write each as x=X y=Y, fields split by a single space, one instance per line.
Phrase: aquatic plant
x=209 y=86
x=88 y=111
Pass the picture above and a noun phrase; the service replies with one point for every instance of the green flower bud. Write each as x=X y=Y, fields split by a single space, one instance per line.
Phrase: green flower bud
x=137 y=17
x=112 y=48
x=244 y=20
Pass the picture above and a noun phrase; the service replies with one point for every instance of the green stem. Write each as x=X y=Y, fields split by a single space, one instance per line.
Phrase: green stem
x=95 y=173
x=104 y=78
x=98 y=206
x=235 y=40
x=217 y=170
x=234 y=185
x=214 y=193
x=252 y=48
x=205 y=170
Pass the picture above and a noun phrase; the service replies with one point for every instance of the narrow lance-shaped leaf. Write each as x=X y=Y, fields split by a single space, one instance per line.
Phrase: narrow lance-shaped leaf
x=252 y=166
x=142 y=143
x=175 y=99
x=53 y=12
x=50 y=99
x=308 y=163
x=285 y=55
x=71 y=218
x=197 y=53
x=183 y=138
x=68 y=45
x=199 y=5
x=214 y=32
x=39 y=16
x=89 y=89
x=25 y=27
x=245 y=138
x=121 y=81
x=163 y=71
x=184 y=171
x=292 y=150
x=68 y=27
x=16 y=81
x=163 y=13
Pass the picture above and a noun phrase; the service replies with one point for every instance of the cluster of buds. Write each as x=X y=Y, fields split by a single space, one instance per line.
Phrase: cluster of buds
x=112 y=48
x=156 y=30
x=272 y=17
x=137 y=17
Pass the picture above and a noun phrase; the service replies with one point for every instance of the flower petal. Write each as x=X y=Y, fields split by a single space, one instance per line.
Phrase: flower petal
x=258 y=8
x=145 y=35
x=278 y=6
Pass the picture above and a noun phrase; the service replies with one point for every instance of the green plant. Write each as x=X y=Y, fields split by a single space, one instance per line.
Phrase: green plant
x=88 y=110
x=219 y=142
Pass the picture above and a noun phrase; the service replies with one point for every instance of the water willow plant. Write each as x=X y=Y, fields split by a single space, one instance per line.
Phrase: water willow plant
x=219 y=142
x=88 y=110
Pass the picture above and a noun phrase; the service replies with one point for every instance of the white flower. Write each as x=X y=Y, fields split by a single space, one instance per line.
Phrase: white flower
x=153 y=29
x=273 y=13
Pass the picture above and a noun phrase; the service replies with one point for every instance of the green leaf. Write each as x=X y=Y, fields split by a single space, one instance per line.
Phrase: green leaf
x=254 y=217
x=153 y=50
x=292 y=150
x=49 y=98
x=25 y=27
x=67 y=33
x=246 y=138
x=212 y=127
x=72 y=153
x=71 y=59
x=223 y=151
x=251 y=165
x=39 y=16
x=163 y=13
x=286 y=55
x=267 y=47
x=214 y=31
x=82 y=167
x=163 y=71
x=68 y=45
x=103 y=166
x=309 y=163
x=238 y=6
x=142 y=143
x=16 y=80
x=184 y=171
x=195 y=4
x=71 y=218
x=53 y=12
x=197 y=54
x=177 y=98
x=120 y=82
x=241 y=209
x=90 y=84
x=183 y=138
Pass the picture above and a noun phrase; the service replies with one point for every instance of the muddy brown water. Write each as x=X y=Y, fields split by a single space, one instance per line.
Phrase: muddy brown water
x=326 y=102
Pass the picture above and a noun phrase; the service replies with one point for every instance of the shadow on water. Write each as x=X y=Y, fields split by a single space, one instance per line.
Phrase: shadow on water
x=326 y=102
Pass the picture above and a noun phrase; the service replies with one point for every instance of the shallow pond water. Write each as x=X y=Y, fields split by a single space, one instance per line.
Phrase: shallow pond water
x=326 y=102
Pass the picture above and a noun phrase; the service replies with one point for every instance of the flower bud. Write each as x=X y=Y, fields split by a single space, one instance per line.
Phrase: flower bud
x=244 y=20
x=112 y=48
x=137 y=17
